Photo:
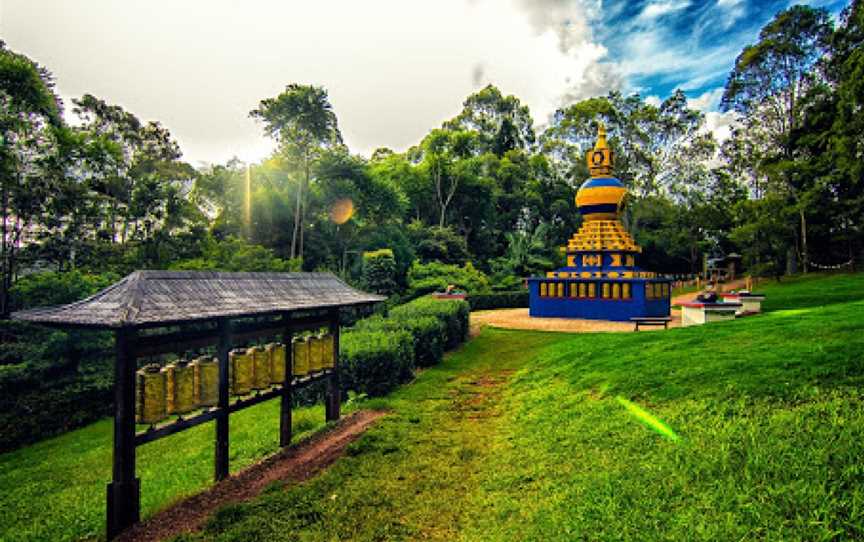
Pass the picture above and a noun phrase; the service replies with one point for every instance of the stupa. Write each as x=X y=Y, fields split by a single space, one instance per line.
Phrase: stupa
x=601 y=280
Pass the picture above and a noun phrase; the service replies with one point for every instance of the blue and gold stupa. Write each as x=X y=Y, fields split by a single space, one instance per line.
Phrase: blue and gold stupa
x=601 y=280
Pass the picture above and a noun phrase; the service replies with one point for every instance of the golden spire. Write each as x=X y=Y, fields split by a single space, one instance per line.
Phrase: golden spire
x=600 y=158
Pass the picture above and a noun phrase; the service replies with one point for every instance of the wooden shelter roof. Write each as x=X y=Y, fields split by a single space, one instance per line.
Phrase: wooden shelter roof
x=152 y=298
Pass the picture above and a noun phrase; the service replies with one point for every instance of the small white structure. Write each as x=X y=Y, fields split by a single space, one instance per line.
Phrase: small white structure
x=697 y=313
x=750 y=303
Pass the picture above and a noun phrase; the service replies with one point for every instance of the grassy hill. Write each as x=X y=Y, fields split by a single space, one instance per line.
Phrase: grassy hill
x=519 y=436
x=526 y=436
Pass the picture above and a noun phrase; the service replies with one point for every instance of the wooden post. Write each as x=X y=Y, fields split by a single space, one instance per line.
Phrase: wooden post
x=221 y=463
x=124 y=490
x=287 y=391
x=332 y=403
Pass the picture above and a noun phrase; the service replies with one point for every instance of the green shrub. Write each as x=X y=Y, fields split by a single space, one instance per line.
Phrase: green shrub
x=435 y=277
x=52 y=288
x=375 y=362
x=499 y=300
x=428 y=332
x=379 y=271
x=453 y=313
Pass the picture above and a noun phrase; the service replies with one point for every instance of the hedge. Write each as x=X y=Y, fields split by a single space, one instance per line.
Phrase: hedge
x=499 y=300
x=453 y=313
x=375 y=362
x=380 y=353
x=428 y=335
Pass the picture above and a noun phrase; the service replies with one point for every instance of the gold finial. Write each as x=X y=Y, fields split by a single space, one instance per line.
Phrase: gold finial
x=600 y=158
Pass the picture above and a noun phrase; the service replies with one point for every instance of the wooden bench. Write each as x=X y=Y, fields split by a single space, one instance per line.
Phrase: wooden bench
x=651 y=321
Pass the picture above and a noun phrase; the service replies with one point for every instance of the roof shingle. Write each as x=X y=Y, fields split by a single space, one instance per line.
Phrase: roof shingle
x=167 y=297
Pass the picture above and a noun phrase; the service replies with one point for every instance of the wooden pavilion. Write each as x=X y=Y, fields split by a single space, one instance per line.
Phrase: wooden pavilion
x=153 y=313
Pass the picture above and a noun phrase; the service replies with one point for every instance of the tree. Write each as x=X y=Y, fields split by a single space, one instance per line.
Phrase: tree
x=302 y=120
x=502 y=122
x=379 y=271
x=444 y=153
x=29 y=119
x=767 y=87
x=657 y=149
x=528 y=253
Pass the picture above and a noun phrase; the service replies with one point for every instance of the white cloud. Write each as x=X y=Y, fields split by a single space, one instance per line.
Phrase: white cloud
x=707 y=101
x=653 y=100
x=655 y=10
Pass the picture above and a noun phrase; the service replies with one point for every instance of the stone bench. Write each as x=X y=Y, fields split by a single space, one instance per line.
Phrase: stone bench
x=751 y=303
x=696 y=313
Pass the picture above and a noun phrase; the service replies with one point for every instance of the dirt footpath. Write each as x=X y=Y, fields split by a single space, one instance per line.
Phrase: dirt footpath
x=297 y=463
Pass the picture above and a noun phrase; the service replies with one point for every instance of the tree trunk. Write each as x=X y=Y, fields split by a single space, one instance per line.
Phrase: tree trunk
x=805 y=259
x=306 y=175
x=4 y=290
x=296 y=229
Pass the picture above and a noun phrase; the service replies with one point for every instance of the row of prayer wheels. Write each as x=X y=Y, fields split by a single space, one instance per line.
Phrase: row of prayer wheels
x=182 y=387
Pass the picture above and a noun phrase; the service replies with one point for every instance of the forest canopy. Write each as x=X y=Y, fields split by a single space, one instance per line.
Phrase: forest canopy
x=486 y=198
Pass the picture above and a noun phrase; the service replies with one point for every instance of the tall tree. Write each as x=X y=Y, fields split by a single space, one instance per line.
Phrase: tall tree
x=302 y=120
x=502 y=122
x=444 y=155
x=767 y=87
x=30 y=116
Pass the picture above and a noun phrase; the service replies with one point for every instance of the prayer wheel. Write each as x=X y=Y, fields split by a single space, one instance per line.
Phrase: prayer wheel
x=205 y=371
x=241 y=366
x=180 y=384
x=315 y=354
x=301 y=356
x=260 y=367
x=328 y=360
x=150 y=395
x=276 y=354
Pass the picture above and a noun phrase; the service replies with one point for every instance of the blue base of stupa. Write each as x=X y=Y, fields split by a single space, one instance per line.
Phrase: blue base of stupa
x=597 y=307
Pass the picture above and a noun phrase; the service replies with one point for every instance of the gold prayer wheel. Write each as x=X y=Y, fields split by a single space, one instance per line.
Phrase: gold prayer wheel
x=150 y=395
x=328 y=359
x=205 y=371
x=241 y=365
x=301 y=356
x=180 y=386
x=260 y=367
x=316 y=352
x=276 y=354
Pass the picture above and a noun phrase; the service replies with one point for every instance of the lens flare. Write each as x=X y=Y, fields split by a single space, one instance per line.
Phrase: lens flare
x=648 y=420
x=342 y=210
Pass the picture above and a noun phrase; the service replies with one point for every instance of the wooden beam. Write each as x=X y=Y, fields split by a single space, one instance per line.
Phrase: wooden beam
x=333 y=401
x=124 y=490
x=285 y=420
x=222 y=430
x=175 y=427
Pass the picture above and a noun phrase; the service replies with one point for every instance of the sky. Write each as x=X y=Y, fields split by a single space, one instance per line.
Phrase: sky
x=394 y=69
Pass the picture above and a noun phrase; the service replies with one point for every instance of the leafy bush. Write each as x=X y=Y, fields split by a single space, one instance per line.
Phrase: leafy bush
x=453 y=313
x=233 y=254
x=499 y=300
x=438 y=244
x=428 y=332
x=52 y=288
x=379 y=271
x=375 y=362
x=436 y=276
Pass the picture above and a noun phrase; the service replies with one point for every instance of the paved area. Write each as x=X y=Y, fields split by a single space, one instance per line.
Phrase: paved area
x=519 y=319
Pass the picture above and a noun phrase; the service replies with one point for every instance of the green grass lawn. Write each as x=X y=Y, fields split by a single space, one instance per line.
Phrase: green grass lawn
x=55 y=490
x=519 y=436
